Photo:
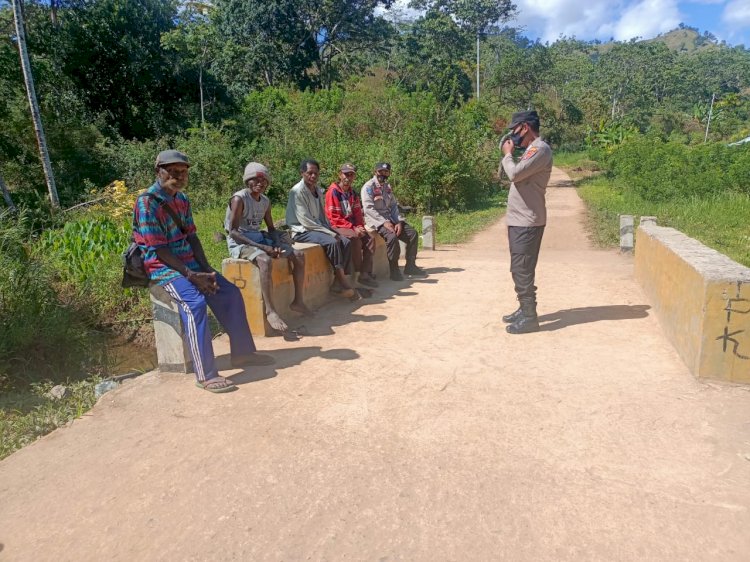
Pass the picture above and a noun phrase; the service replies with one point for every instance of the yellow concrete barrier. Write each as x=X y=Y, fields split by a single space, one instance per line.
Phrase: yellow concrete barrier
x=318 y=279
x=702 y=300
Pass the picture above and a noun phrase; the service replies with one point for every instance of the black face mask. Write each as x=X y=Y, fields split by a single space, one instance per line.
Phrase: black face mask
x=517 y=138
x=382 y=179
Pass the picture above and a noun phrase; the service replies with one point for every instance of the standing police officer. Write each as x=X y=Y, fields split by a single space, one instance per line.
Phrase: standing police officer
x=527 y=213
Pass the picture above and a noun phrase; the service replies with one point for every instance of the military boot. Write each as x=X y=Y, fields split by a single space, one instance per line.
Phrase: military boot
x=513 y=316
x=528 y=321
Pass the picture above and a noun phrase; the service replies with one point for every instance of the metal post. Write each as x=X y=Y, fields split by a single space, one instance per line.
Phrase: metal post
x=710 y=112
x=35 y=114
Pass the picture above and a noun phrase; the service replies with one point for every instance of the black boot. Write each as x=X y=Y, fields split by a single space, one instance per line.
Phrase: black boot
x=415 y=271
x=527 y=323
x=395 y=272
x=513 y=316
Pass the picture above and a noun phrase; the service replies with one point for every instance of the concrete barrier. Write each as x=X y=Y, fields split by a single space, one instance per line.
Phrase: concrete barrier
x=171 y=352
x=702 y=300
x=318 y=279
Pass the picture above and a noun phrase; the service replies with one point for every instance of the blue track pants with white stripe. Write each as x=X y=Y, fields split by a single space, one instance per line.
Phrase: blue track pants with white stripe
x=229 y=309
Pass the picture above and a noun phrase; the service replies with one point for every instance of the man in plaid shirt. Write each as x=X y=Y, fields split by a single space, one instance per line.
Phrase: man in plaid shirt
x=344 y=212
x=163 y=227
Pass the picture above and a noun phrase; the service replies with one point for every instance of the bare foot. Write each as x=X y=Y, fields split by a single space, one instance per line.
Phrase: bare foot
x=276 y=322
x=301 y=308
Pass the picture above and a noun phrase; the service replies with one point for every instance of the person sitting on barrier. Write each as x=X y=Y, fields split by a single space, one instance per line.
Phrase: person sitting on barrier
x=344 y=213
x=306 y=217
x=163 y=227
x=382 y=214
x=247 y=210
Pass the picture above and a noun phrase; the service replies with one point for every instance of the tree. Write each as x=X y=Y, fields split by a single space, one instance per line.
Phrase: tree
x=35 y=113
x=430 y=56
x=196 y=43
x=474 y=16
x=521 y=68
x=112 y=51
x=305 y=42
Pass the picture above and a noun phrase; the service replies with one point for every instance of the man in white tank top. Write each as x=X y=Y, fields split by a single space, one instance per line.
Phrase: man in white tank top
x=247 y=210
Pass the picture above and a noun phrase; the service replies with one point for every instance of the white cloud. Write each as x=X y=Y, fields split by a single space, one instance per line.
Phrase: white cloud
x=605 y=19
x=736 y=14
x=647 y=19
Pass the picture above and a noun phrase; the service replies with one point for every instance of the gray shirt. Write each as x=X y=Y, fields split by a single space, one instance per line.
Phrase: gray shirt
x=305 y=212
x=529 y=177
x=253 y=213
x=379 y=204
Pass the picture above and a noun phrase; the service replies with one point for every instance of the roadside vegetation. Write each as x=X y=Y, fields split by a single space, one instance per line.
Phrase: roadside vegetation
x=703 y=190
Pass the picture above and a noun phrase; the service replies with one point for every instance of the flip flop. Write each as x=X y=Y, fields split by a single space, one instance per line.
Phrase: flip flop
x=229 y=386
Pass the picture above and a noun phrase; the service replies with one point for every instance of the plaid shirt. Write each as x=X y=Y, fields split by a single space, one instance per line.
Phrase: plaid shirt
x=343 y=208
x=153 y=228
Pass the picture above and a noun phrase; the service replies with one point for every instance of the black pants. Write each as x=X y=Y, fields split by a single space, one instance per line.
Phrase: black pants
x=524 y=242
x=337 y=251
x=393 y=250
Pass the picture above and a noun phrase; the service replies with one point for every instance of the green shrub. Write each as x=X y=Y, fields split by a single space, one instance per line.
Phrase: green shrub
x=41 y=332
x=664 y=171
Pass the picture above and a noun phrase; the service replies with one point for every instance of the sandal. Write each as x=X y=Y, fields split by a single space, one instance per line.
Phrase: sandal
x=217 y=385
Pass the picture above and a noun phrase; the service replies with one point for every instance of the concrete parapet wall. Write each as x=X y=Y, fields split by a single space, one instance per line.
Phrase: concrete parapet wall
x=318 y=279
x=702 y=299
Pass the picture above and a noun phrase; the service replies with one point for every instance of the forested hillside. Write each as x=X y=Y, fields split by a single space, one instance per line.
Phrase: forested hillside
x=118 y=79
x=277 y=81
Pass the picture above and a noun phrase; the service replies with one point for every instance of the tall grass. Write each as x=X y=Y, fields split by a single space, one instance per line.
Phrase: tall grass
x=719 y=221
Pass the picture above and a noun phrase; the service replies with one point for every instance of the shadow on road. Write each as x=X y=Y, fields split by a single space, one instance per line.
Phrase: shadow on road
x=562 y=183
x=584 y=315
x=338 y=312
x=284 y=358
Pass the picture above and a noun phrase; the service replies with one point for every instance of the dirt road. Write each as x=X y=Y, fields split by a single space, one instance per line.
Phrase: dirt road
x=414 y=428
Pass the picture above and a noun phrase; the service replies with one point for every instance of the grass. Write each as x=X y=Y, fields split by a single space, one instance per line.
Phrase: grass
x=719 y=222
x=27 y=415
x=455 y=227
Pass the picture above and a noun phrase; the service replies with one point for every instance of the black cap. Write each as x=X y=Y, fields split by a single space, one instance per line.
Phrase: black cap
x=531 y=117
x=171 y=157
x=382 y=166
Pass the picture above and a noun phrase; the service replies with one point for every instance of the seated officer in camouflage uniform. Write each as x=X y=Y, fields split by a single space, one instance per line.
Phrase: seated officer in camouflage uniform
x=526 y=216
x=245 y=213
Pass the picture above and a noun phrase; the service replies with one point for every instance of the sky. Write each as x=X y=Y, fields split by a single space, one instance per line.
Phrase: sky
x=728 y=20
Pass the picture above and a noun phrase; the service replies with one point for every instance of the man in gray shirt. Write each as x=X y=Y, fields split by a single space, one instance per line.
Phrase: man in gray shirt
x=305 y=216
x=527 y=213
x=247 y=210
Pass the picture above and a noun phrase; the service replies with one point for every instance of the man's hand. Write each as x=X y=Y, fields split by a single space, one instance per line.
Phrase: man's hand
x=507 y=147
x=389 y=226
x=271 y=251
x=205 y=282
x=399 y=229
x=360 y=230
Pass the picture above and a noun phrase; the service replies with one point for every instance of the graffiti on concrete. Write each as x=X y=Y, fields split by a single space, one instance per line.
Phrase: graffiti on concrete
x=736 y=305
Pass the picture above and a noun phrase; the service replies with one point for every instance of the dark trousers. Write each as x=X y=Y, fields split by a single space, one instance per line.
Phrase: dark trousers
x=409 y=236
x=339 y=251
x=361 y=249
x=524 y=242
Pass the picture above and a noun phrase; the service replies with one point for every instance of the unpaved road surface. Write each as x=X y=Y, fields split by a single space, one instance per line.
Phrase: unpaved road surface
x=414 y=428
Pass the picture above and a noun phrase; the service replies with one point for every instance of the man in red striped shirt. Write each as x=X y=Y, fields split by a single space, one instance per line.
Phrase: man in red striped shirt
x=344 y=212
